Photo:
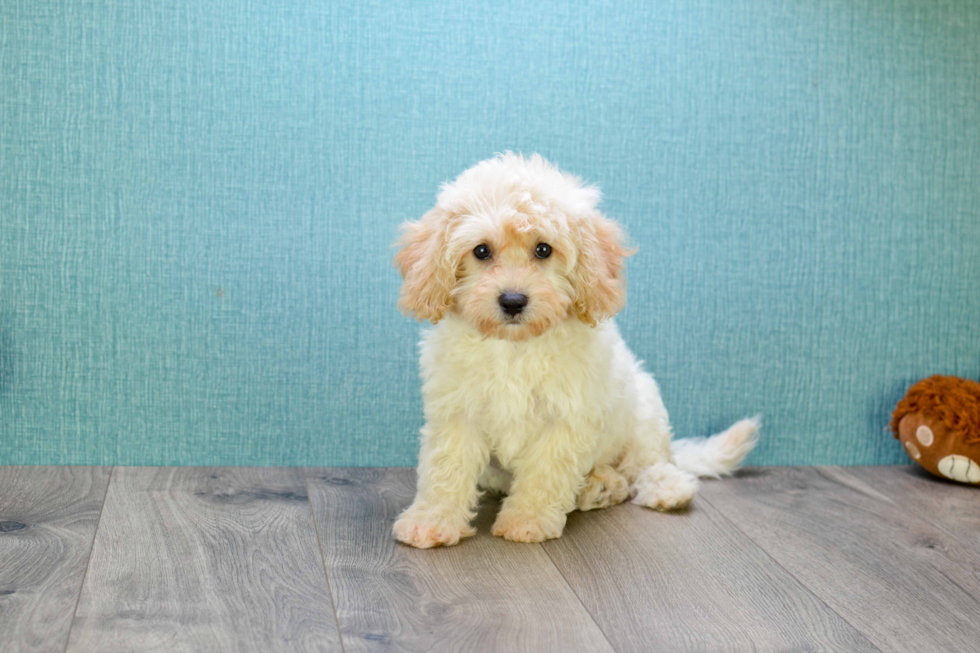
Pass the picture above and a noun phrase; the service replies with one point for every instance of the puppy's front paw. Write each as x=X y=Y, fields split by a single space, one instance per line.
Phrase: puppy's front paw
x=424 y=529
x=524 y=527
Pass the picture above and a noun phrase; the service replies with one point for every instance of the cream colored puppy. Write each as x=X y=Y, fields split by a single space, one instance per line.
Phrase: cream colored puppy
x=529 y=389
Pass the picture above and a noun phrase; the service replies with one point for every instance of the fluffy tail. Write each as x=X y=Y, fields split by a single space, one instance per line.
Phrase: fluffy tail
x=719 y=455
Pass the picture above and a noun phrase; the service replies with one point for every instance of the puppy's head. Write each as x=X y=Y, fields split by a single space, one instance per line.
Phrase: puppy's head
x=514 y=246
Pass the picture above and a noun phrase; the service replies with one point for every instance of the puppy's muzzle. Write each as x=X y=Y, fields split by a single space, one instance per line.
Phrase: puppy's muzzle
x=512 y=303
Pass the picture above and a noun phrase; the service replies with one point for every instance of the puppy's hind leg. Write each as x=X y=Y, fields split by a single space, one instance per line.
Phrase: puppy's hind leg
x=646 y=461
x=664 y=486
x=604 y=487
x=655 y=481
x=672 y=481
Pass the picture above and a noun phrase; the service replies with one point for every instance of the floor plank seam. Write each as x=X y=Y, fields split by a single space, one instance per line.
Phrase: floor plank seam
x=923 y=518
x=798 y=543
x=323 y=560
x=578 y=598
x=88 y=560
x=791 y=574
x=918 y=516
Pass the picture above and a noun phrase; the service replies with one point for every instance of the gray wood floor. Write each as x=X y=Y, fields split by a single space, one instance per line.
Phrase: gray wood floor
x=286 y=559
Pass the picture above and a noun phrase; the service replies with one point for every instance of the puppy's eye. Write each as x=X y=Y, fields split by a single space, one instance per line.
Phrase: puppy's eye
x=482 y=252
x=543 y=250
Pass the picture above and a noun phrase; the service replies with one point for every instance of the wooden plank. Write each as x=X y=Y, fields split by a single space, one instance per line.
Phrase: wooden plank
x=484 y=594
x=202 y=559
x=48 y=518
x=954 y=507
x=906 y=584
x=689 y=581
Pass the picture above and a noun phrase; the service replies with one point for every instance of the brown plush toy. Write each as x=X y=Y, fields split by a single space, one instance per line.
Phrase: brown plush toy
x=938 y=421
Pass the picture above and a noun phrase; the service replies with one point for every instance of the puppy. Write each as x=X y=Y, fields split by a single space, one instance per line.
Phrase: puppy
x=528 y=386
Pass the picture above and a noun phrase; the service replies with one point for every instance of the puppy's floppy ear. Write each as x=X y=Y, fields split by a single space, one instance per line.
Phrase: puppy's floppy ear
x=427 y=268
x=600 y=287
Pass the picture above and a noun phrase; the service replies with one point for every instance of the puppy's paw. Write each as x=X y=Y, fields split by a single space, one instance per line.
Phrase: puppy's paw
x=664 y=487
x=604 y=487
x=525 y=527
x=425 y=529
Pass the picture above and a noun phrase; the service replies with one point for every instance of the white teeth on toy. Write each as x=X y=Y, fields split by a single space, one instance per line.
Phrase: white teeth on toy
x=960 y=468
x=924 y=435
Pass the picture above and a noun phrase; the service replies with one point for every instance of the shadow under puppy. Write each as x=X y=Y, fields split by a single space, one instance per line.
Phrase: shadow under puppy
x=528 y=386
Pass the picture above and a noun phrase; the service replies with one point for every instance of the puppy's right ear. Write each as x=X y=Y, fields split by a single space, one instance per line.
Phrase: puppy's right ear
x=426 y=266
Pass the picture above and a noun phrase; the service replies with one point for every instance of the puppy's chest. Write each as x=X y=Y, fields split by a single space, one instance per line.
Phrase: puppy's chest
x=511 y=405
x=509 y=390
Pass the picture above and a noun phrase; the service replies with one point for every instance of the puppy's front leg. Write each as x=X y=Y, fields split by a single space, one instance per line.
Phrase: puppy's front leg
x=546 y=481
x=451 y=459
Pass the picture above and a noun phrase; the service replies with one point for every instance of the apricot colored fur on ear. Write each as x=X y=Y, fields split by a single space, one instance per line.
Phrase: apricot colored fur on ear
x=426 y=267
x=600 y=289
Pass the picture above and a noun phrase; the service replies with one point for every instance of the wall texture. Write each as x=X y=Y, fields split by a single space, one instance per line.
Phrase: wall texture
x=197 y=201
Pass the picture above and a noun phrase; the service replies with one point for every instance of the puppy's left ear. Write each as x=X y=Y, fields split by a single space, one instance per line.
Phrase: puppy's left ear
x=426 y=267
x=598 y=280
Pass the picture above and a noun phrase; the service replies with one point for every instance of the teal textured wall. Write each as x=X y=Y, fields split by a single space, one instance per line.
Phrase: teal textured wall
x=197 y=201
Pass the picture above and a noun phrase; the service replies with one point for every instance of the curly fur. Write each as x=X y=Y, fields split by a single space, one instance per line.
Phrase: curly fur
x=549 y=407
x=953 y=401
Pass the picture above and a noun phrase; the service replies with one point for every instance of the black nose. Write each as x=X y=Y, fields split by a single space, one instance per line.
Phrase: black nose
x=512 y=303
